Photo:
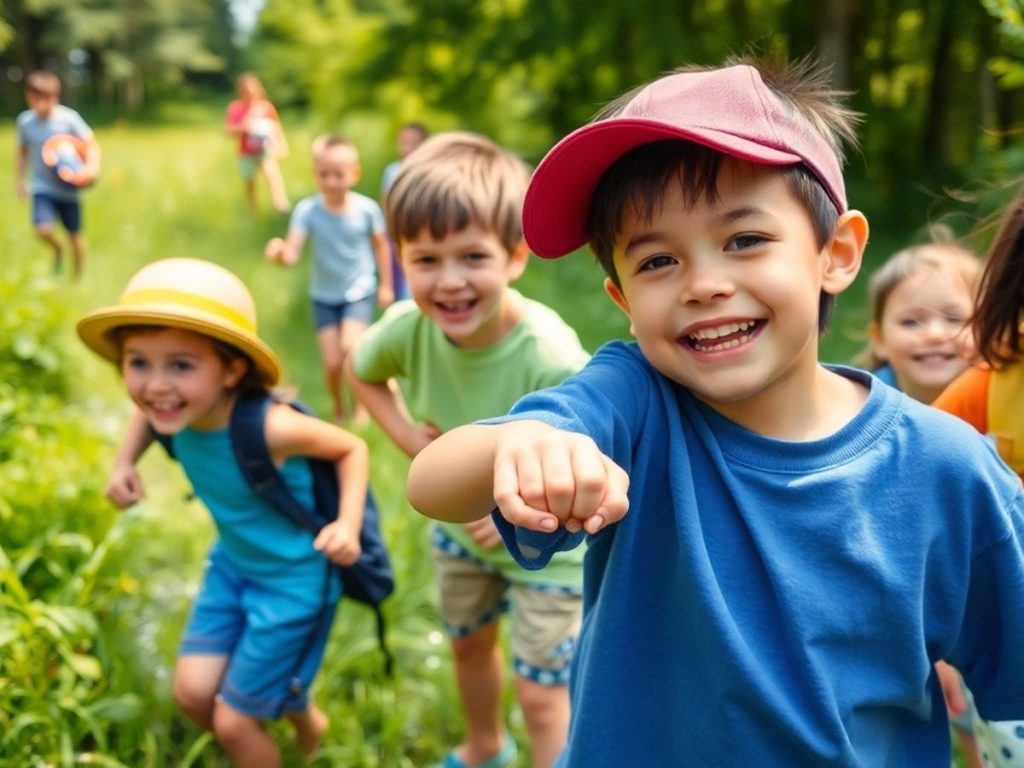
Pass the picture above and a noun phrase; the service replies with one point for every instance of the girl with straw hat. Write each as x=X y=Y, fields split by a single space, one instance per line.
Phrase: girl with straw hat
x=184 y=337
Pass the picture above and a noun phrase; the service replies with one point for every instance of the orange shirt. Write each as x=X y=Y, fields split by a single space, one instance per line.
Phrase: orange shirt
x=989 y=401
x=967 y=397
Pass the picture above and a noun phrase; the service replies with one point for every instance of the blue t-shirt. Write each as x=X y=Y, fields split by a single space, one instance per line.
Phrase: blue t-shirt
x=262 y=543
x=33 y=131
x=344 y=267
x=886 y=374
x=779 y=603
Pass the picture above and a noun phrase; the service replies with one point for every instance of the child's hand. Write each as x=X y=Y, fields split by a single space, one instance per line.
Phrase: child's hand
x=124 y=487
x=419 y=436
x=558 y=478
x=949 y=680
x=338 y=543
x=484 y=532
x=278 y=252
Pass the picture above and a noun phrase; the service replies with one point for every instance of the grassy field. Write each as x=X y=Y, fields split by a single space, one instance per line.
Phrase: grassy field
x=172 y=190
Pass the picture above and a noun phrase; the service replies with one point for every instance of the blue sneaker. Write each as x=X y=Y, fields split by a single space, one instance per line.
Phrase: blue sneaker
x=506 y=757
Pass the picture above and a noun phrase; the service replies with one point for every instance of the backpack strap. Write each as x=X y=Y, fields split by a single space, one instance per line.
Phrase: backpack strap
x=249 y=443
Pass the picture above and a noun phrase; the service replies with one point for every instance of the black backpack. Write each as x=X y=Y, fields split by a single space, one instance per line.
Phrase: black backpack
x=370 y=580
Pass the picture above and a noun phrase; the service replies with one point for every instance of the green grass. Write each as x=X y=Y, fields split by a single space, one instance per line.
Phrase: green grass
x=173 y=190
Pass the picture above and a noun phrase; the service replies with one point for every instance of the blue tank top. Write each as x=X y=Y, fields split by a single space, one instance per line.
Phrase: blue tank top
x=261 y=542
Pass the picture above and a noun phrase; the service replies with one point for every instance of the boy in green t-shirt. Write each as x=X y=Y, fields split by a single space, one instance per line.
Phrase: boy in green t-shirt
x=467 y=347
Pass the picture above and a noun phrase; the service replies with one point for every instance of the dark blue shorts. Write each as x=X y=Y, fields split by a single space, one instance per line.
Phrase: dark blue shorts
x=327 y=315
x=274 y=640
x=46 y=210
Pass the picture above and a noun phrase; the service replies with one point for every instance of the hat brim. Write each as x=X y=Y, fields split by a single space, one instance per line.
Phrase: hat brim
x=557 y=201
x=97 y=331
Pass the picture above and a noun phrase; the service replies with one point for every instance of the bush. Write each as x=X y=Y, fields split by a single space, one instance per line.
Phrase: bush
x=66 y=681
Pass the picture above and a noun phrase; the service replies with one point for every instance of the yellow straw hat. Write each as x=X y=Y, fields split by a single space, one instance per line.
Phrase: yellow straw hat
x=192 y=294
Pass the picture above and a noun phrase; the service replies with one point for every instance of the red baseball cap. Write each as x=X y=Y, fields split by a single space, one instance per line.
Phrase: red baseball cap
x=729 y=109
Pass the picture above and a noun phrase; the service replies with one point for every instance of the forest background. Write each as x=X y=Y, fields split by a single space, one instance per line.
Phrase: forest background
x=91 y=600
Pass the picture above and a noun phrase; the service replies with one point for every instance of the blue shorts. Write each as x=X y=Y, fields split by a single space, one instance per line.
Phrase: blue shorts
x=275 y=640
x=326 y=315
x=46 y=210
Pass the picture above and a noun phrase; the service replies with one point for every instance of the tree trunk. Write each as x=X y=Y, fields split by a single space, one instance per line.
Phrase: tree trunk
x=934 y=144
x=833 y=40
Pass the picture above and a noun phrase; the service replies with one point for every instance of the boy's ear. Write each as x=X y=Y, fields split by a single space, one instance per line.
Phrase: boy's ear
x=616 y=295
x=844 y=252
x=517 y=260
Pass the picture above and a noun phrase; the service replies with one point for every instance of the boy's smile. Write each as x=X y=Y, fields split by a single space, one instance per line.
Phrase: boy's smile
x=723 y=297
x=460 y=283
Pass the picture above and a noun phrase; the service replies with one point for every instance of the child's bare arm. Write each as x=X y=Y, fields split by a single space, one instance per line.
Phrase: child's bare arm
x=285 y=250
x=290 y=433
x=385 y=405
x=124 y=486
x=385 y=281
x=537 y=476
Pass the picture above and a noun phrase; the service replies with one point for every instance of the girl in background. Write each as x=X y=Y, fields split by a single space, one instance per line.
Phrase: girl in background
x=261 y=140
x=921 y=300
x=990 y=396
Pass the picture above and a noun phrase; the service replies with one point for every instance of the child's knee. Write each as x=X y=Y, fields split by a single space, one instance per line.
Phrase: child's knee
x=542 y=704
x=230 y=726
x=478 y=646
x=332 y=368
x=197 y=702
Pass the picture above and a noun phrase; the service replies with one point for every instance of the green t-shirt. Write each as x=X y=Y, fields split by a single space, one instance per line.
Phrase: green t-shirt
x=449 y=386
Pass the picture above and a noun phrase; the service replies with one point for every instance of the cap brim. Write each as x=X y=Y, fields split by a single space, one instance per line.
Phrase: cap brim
x=96 y=330
x=557 y=201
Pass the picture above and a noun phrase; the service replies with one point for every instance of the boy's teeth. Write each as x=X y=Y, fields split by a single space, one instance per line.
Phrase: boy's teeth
x=721 y=330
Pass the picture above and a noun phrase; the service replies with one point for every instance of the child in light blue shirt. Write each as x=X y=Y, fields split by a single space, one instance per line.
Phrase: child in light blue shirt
x=351 y=272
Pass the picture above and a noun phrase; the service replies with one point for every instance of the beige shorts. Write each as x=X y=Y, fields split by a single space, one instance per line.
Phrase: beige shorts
x=545 y=620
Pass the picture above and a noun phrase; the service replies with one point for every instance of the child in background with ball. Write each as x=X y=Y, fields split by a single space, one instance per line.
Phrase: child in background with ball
x=261 y=141
x=54 y=196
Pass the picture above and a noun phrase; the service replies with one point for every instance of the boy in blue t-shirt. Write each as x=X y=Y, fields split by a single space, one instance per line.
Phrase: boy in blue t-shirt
x=351 y=272
x=778 y=551
x=55 y=179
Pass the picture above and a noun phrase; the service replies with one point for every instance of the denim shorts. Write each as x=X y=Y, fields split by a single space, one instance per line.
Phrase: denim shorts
x=274 y=640
x=327 y=315
x=47 y=209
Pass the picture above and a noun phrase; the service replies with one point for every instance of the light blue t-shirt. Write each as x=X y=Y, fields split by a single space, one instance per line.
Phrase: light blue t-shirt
x=344 y=266
x=778 y=603
x=33 y=132
x=261 y=542
x=387 y=178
